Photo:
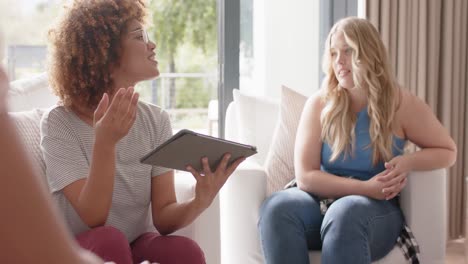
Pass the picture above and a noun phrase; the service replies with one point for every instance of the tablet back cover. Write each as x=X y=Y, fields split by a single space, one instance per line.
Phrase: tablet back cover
x=188 y=147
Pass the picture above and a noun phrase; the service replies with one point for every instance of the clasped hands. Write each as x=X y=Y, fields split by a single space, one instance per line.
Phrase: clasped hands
x=389 y=183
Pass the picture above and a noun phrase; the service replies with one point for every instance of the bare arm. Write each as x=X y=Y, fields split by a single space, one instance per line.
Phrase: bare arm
x=168 y=215
x=26 y=208
x=307 y=160
x=92 y=197
x=420 y=125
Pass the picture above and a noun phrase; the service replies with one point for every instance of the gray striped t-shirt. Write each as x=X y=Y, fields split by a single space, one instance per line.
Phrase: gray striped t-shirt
x=67 y=145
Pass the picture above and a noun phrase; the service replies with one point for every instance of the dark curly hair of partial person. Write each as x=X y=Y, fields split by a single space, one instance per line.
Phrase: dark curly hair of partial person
x=84 y=47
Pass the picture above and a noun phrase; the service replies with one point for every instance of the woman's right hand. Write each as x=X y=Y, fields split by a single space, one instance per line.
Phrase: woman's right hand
x=112 y=122
x=374 y=187
x=210 y=182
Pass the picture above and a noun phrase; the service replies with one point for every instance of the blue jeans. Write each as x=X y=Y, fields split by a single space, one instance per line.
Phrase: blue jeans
x=355 y=229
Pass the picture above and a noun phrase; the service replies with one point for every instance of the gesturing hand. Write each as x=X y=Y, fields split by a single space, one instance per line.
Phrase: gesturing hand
x=209 y=183
x=112 y=122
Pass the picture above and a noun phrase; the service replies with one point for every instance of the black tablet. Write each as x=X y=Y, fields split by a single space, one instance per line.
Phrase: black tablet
x=188 y=148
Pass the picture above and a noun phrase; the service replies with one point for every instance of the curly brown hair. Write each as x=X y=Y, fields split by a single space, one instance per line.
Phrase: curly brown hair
x=85 y=46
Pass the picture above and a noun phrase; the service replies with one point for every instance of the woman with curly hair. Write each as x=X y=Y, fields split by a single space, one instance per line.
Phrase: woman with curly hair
x=349 y=149
x=92 y=141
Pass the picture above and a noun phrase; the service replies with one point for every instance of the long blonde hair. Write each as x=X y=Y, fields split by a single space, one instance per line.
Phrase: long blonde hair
x=371 y=72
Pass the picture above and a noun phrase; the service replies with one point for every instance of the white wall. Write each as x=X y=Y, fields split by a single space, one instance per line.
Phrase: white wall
x=286 y=46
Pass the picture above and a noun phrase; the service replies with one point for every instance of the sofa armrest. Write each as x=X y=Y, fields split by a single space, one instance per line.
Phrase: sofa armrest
x=240 y=199
x=423 y=202
x=205 y=229
x=231 y=129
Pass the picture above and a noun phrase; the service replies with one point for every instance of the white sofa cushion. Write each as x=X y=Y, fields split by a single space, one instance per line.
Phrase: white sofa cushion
x=279 y=163
x=27 y=99
x=30 y=93
x=27 y=125
x=256 y=117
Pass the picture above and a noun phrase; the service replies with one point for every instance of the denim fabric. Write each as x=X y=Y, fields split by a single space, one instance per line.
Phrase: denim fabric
x=355 y=229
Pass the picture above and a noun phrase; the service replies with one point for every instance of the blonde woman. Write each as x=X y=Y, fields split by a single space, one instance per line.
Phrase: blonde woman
x=349 y=148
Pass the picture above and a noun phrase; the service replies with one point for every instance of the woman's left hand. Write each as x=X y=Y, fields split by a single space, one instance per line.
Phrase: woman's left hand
x=395 y=178
x=209 y=183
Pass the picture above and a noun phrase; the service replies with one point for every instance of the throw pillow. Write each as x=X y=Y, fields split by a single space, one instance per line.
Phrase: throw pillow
x=29 y=93
x=27 y=125
x=257 y=118
x=279 y=162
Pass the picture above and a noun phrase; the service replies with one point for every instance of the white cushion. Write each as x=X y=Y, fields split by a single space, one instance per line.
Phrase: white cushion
x=256 y=117
x=205 y=229
x=30 y=93
x=27 y=125
x=279 y=163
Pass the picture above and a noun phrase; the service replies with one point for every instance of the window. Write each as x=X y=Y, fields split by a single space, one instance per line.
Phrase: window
x=187 y=86
x=279 y=44
x=25 y=25
x=187 y=53
x=246 y=44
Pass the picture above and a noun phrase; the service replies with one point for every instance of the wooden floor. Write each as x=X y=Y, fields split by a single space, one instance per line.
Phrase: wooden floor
x=456 y=252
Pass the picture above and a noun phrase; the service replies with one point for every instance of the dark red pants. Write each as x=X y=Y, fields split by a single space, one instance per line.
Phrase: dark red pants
x=111 y=245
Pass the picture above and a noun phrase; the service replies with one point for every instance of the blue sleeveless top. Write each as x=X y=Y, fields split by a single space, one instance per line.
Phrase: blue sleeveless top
x=359 y=164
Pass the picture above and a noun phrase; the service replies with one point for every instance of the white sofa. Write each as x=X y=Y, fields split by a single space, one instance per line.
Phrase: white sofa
x=423 y=202
x=28 y=98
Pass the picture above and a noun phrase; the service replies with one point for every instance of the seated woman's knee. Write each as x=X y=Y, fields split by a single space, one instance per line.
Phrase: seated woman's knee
x=349 y=206
x=285 y=207
x=190 y=250
x=280 y=204
x=347 y=211
x=110 y=238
